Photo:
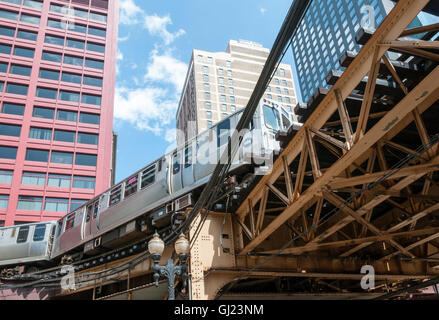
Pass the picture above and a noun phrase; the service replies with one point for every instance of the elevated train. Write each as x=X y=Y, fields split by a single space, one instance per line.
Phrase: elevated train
x=154 y=197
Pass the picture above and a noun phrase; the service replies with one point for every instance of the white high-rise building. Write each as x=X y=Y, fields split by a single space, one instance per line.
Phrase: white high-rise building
x=220 y=83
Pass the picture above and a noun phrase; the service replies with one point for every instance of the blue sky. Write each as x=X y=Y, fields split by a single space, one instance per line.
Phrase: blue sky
x=156 y=39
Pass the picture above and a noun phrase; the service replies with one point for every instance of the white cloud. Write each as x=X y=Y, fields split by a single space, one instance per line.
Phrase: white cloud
x=157 y=26
x=148 y=108
x=263 y=10
x=153 y=104
x=166 y=69
x=129 y=12
x=123 y=39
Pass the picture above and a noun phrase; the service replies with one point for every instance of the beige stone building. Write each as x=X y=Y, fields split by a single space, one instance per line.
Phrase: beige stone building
x=220 y=83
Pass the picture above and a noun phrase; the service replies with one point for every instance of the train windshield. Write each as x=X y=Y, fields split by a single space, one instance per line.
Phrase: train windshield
x=271 y=117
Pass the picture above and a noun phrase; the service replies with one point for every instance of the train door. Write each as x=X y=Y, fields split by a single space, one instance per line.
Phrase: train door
x=90 y=219
x=187 y=167
x=177 y=183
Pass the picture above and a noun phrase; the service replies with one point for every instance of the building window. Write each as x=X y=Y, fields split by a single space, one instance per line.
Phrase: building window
x=209 y=60
x=228 y=64
x=207 y=95
x=77 y=44
x=80 y=182
x=75 y=61
x=33 y=179
x=16 y=89
x=91 y=99
x=12 y=108
x=5 y=48
x=69 y=96
x=30 y=203
x=221 y=80
x=233 y=108
x=279 y=98
x=6 y=176
x=231 y=90
x=4 y=200
x=76 y=203
x=206 y=86
x=86 y=159
x=89 y=118
x=223 y=98
x=208 y=105
x=224 y=115
x=284 y=83
x=46 y=93
x=37 y=155
x=276 y=81
x=40 y=133
x=222 y=89
x=93 y=81
x=59 y=181
x=95 y=47
x=43 y=113
x=20 y=70
x=88 y=138
x=8 y=15
x=229 y=73
x=287 y=100
x=29 y=19
x=49 y=74
x=97 y=32
x=98 y=17
x=232 y=99
x=54 y=40
x=286 y=91
x=71 y=77
x=8 y=32
x=64 y=115
x=282 y=72
x=221 y=72
x=10 y=130
x=49 y=56
x=94 y=64
x=61 y=157
x=224 y=107
x=269 y=96
x=230 y=82
x=65 y=136
x=56 y=205
x=205 y=69
x=205 y=77
x=3 y=67
x=209 y=124
x=208 y=114
x=8 y=152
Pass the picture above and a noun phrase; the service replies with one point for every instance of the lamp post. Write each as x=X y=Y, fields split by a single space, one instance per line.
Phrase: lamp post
x=156 y=247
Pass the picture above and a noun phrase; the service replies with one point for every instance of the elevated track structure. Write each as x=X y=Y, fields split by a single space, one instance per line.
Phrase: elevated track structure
x=357 y=185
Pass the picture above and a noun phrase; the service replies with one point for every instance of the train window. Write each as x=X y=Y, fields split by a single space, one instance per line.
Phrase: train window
x=70 y=222
x=115 y=195
x=271 y=117
x=148 y=176
x=40 y=231
x=89 y=213
x=223 y=132
x=176 y=165
x=23 y=232
x=285 y=122
x=96 y=209
x=188 y=157
x=131 y=186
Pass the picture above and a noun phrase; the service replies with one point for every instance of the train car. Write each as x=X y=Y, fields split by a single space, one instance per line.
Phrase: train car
x=153 y=197
x=27 y=243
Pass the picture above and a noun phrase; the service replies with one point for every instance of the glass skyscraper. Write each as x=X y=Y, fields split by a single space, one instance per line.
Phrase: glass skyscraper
x=327 y=31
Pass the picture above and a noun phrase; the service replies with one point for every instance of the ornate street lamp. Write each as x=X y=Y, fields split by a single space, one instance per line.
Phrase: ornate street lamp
x=156 y=247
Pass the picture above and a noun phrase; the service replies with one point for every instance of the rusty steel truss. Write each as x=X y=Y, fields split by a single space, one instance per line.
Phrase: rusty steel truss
x=360 y=180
